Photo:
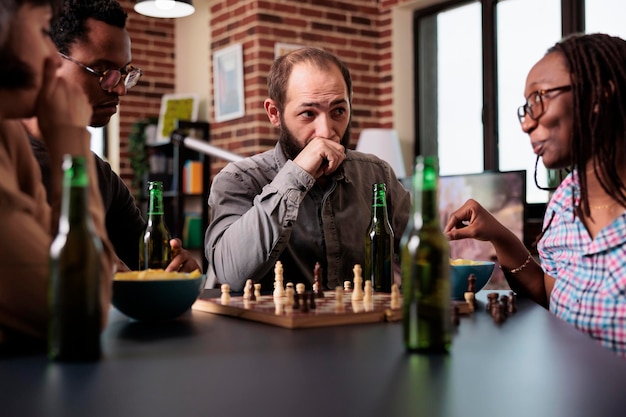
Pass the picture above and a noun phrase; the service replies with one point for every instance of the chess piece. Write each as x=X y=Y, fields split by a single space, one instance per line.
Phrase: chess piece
x=247 y=290
x=512 y=306
x=279 y=290
x=504 y=300
x=304 y=305
x=471 y=283
x=347 y=285
x=470 y=299
x=367 y=293
x=225 y=297
x=339 y=299
x=357 y=292
x=357 y=306
x=257 y=290
x=492 y=298
x=290 y=301
x=312 y=304
x=278 y=306
x=317 y=281
x=395 y=297
x=497 y=312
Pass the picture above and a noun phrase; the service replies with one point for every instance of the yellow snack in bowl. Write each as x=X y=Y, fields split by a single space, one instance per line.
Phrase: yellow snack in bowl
x=464 y=262
x=154 y=274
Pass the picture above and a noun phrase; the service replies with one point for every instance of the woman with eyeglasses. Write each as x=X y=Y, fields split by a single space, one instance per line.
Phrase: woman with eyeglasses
x=29 y=86
x=575 y=116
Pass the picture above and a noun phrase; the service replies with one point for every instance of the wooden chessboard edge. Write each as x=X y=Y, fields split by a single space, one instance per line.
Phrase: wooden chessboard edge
x=300 y=321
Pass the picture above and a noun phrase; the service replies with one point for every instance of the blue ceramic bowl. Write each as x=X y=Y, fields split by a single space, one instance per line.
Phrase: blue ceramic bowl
x=159 y=299
x=459 y=274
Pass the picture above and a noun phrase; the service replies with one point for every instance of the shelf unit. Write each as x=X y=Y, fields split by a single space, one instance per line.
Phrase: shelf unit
x=167 y=165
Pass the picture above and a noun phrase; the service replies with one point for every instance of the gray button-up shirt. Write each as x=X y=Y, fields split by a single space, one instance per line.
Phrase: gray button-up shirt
x=266 y=208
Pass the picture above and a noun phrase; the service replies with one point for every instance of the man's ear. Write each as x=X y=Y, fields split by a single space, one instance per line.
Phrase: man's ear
x=272 y=112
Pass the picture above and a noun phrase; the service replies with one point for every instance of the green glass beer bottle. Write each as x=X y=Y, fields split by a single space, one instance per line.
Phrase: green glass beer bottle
x=75 y=319
x=379 y=241
x=154 y=246
x=426 y=268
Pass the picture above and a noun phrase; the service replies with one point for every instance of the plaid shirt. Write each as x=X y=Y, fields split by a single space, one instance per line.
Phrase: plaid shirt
x=590 y=287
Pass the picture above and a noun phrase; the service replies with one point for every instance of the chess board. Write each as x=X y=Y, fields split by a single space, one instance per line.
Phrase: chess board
x=266 y=309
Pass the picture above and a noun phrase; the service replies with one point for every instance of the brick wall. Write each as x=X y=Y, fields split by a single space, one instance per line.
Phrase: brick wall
x=359 y=31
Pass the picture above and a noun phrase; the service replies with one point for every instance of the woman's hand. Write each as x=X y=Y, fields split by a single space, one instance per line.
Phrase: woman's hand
x=472 y=220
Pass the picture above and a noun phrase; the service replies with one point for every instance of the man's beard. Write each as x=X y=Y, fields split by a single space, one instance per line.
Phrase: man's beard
x=290 y=146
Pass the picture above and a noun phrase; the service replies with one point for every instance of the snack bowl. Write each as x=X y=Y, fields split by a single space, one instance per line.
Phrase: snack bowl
x=460 y=270
x=155 y=295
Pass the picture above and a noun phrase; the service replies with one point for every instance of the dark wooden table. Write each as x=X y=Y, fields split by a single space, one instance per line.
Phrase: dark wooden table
x=207 y=365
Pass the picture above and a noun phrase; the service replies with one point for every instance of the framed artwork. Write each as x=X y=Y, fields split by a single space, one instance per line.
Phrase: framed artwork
x=175 y=107
x=228 y=83
x=281 y=49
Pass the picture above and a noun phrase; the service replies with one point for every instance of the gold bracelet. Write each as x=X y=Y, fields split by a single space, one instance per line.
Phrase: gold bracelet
x=522 y=266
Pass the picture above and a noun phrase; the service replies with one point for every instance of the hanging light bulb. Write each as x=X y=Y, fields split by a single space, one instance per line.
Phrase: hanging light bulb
x=164 y=8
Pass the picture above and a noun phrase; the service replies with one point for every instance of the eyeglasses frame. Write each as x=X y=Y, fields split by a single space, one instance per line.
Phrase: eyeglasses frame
x=525 y=110
x=123 y=74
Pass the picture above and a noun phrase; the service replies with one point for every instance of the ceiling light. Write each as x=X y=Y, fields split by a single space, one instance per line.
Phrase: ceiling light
x=164 y=8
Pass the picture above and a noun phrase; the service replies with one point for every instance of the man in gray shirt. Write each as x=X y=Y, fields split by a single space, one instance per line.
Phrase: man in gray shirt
x=307 y=200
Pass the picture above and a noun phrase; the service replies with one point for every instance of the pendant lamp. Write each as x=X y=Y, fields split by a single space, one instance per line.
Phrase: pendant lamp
x=164 y=8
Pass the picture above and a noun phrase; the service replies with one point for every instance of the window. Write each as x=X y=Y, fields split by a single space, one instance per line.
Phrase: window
x=520 y=44
x=459 y=91
x=472 y=58
x=606 y=16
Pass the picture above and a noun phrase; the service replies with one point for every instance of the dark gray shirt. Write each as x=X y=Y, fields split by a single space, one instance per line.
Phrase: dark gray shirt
x=266 y=208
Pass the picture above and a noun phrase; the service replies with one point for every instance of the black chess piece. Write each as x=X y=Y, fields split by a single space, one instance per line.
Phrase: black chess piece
x=304 y=306
x=312 y=305
x=492 y=298
x=252 y=296
x=471 y=283
x=317 y=279
x=504 y=300
x=512 y=307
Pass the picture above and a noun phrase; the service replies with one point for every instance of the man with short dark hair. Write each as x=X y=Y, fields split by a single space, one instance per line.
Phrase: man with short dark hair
x=94 y=45
x=308 y=199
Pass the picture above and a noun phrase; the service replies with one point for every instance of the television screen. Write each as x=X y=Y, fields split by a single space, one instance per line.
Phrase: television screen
x=502 y=193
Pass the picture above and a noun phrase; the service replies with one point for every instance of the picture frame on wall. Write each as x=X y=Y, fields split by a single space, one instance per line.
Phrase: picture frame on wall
x=175 y=107
x=281 y=48
x=229 y=101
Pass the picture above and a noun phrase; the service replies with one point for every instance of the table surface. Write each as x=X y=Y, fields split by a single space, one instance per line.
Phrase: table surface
x=202 y=364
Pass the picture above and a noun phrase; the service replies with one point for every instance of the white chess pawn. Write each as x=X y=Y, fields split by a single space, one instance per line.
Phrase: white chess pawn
x=347 y=285
x=225 y=297
x=300 y=288
x=289 y=292
x=339 y=306
x=257 y=290
x=368 y=295
x=395 y=297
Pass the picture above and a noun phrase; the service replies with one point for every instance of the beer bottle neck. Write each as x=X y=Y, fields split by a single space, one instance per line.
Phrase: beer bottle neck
x=74 y=210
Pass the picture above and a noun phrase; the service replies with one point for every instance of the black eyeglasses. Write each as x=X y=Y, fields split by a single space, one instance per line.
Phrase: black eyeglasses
x=109 y=79
x=535 y=106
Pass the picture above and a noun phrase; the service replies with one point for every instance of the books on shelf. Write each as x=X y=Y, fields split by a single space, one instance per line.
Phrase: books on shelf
x=192 y=177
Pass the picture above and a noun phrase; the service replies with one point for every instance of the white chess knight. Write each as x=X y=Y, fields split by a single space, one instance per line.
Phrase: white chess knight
x=279 y=289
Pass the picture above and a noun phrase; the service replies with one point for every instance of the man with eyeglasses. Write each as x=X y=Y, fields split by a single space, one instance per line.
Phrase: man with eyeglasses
x=92 y=39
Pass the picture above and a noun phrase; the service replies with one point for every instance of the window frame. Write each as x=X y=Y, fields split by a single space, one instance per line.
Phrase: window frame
x=425 y=134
